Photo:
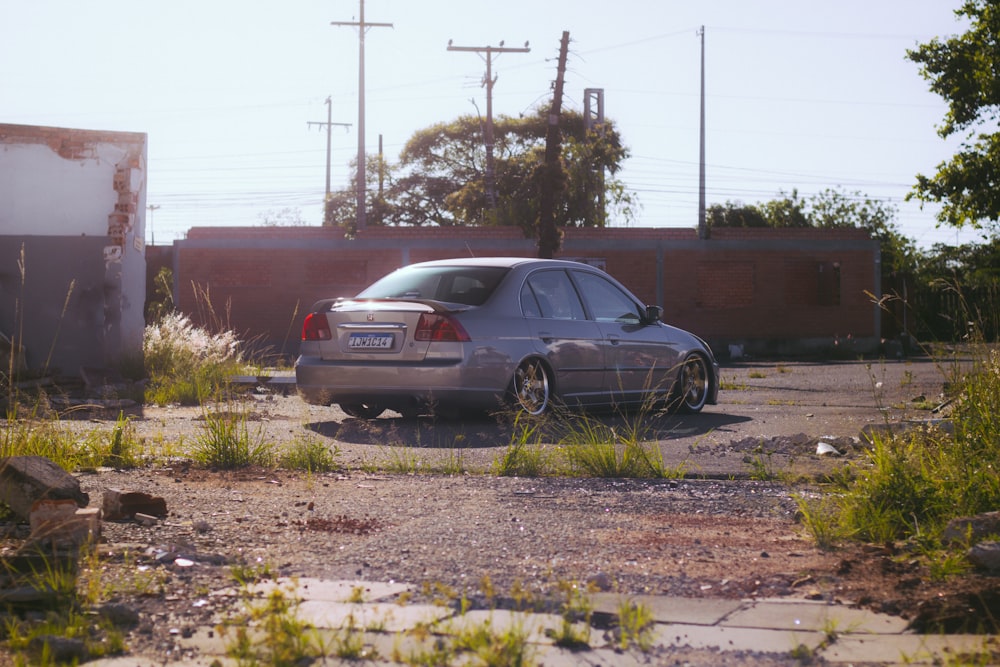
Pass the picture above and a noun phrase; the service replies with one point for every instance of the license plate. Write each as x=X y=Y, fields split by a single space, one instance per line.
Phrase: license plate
x=370 y=341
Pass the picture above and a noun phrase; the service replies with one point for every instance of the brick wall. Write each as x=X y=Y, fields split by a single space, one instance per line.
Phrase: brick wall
x=771 y=291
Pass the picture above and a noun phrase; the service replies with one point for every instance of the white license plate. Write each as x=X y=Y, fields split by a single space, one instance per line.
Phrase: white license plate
x=370 y=341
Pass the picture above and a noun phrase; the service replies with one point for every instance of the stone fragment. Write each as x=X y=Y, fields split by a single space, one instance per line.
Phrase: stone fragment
x=119 y=505
x=61 y=523
x=119 y=614
x=972 y=529
x=61 y=650
x=146 y=519
x=27 y=479
x=986 y=555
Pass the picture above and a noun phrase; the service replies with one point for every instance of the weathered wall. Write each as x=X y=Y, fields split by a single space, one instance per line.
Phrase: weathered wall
x=770 y=291
x=72 y=224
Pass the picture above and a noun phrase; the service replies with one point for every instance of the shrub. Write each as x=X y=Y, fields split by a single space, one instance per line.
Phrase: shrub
x=186 y=363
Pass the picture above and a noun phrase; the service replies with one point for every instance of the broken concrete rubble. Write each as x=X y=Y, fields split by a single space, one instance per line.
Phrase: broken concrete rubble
x=119 y=505
x=25 y=480
x=62 y=524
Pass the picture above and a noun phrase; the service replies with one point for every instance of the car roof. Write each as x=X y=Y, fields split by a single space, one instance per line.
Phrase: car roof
x=505 y=262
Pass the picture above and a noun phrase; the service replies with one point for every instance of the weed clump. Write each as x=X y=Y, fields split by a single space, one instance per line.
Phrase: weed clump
x=911 y=484
x=185 y=363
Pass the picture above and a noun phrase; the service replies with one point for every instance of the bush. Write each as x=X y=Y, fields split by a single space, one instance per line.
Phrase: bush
x=185 y=363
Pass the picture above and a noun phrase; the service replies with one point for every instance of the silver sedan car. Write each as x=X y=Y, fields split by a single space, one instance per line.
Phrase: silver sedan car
x=497 y=333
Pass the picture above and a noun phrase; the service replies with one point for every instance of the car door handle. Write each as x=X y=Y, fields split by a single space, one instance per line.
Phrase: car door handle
x=545 y=336
x=614 y=338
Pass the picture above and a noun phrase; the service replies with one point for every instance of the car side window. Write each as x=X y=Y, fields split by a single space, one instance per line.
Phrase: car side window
x=529 y=304
x=607 y=302
x=555 y=296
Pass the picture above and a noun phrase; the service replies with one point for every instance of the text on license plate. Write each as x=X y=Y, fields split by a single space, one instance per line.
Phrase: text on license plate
x=370 y=341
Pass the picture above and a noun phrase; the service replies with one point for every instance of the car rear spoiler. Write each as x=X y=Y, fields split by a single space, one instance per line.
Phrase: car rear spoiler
x=433 y=304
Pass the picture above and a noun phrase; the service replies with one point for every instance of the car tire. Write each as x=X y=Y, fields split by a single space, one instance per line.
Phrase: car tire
x=532 y=387
x=693 y=384
x=362 y=410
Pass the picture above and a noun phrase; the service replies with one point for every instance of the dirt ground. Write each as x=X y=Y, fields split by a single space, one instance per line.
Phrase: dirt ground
x=718 y=532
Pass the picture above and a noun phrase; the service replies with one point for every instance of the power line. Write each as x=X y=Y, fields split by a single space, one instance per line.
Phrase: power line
x=329 y=124
x=362 y=27
x=488 y=81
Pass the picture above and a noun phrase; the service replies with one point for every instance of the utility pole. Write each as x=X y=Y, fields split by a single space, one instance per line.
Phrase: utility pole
x=152 y=235
x=593 y=119
x=702 y=227
x=488 y=82
x=362 y=27
x=329 y=125
x=553 y=178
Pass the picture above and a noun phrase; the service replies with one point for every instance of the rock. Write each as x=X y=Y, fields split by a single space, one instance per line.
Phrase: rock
x=826 y=449
x=600 y=581
x=119 y=614
x=26 y=563
x=970 y=530
x=119 y=505
x=146 y=519
x=61 y=523
x=986 y=555
x=27 y=479
x=60 y=649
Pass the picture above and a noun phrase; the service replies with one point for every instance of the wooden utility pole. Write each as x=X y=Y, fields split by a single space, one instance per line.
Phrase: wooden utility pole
x=488 y=82
x=362 y=27
x=329 y=125
x=551 y=177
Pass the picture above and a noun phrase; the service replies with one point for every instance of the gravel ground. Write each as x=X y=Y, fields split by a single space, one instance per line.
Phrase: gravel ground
x=716 y=533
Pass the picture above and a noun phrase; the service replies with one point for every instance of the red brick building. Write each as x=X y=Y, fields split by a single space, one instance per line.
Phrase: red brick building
x=765 y=291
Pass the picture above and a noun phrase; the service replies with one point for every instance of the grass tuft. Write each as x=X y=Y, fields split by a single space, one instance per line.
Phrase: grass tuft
x=228 y=442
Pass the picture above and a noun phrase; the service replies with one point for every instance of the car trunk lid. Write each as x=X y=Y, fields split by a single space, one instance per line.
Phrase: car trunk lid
x=390 y=330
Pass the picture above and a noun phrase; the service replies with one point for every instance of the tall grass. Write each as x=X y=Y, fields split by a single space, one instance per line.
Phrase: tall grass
x=593 y=448
x=229 y=442
x=186 y=363
x=911 y=484
x=71 y=449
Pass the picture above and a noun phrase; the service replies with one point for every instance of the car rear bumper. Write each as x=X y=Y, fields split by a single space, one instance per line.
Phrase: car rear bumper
x=324 y=383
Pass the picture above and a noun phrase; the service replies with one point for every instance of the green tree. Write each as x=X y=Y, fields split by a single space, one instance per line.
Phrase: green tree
x=836 y=208
x=735 y=214
x=341 y=207
x=965 y=70
x=440 y=178
x=789 y=211
x=958 y=287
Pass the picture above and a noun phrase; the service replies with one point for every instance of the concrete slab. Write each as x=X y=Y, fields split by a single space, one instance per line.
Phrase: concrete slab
x=912 y=649
x=381 y=617
x=537 y=628
x=736 y=639
x=812 y=615
x=666 y=609
x=207 y=641
x=409 y=648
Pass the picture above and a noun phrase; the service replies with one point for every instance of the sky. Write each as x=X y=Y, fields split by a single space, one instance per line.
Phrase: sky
x=799 y=95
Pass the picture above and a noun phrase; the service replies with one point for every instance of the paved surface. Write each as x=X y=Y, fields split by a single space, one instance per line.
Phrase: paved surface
x=760 y=402
x=733 y=631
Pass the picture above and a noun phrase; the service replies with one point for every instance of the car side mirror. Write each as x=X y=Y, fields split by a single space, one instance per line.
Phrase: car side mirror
x=653 y=314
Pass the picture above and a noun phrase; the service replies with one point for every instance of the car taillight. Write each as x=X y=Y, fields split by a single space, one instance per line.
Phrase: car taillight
x=316 y=327
x=434 y=327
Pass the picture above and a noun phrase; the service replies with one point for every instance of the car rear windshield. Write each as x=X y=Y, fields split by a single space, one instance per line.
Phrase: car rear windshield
x=469 y=285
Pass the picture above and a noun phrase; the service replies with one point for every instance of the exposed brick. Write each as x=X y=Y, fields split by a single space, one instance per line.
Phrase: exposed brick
x=767 y=285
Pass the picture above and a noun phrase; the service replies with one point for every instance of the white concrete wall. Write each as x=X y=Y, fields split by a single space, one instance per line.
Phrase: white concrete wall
x=42 y=193
x=72 y=202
